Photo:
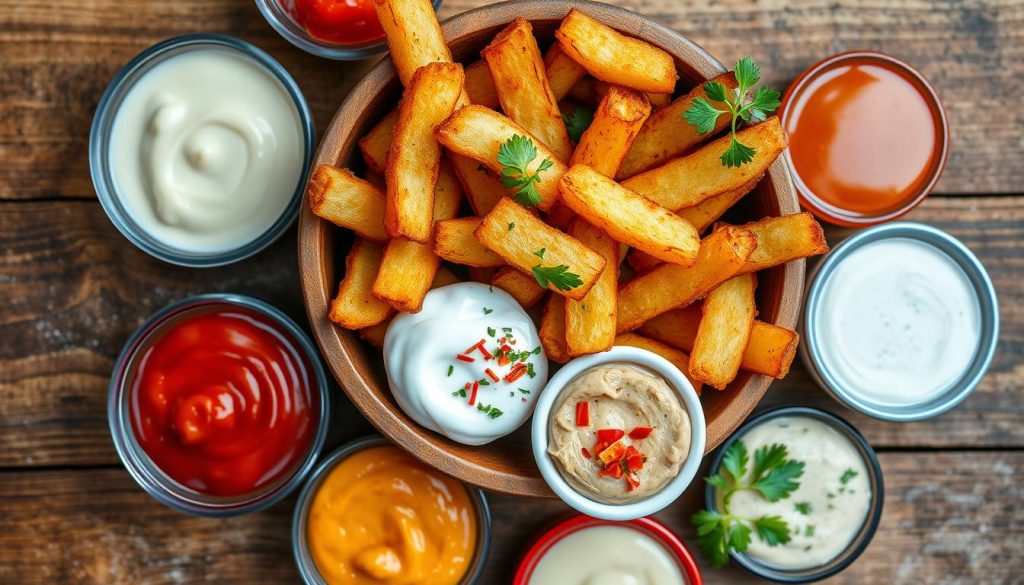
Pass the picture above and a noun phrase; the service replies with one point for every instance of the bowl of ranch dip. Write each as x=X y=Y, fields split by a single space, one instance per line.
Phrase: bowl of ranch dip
x=199 y=150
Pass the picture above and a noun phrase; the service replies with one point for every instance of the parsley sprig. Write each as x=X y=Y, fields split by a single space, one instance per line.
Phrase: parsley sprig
x=557 y=276
x=515 y=155
x=577 y=123
x=773 y=477
x=739 y=105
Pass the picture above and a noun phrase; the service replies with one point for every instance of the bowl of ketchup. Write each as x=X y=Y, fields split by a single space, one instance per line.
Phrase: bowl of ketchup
x=218 y=405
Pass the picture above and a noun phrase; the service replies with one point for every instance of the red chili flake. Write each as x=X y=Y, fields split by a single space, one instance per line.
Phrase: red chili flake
x=503 y=340
x=475 y=345
x=610 y=435
x=503 y=361
x=464 y=358
x=640 y=433
x=632 y=481
x=614 y=471
x=490 y=374
x=517 y=371
x=635 y=463
x=583 y=414
x=472 y=394
x=505 y=348
x=585 y=452
x=483 y=350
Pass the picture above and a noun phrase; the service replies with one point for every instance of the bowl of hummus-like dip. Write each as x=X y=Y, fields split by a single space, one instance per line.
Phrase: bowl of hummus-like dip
x=620 y=434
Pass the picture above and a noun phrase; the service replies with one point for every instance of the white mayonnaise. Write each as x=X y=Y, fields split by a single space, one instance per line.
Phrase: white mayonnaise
x=607 y=555
x=429 y=381
x=826 y=511
x=899 y=322
x=206 y=150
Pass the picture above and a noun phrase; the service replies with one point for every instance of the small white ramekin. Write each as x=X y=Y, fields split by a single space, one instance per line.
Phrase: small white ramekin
x=645 y=360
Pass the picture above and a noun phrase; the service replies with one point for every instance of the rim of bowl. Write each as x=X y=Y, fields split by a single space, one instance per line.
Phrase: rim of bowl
x=300 y=547
x=278 y=17
x=831 y=213
x=543 y=543
x=99 y=145
x=317 y=292
x=867 y=530
x=141 y=467
x=988 y=305
x=648 y=362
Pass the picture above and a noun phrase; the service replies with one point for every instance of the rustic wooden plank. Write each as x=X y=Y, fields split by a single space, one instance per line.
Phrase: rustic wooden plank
x=57 y=57
x=940 y=524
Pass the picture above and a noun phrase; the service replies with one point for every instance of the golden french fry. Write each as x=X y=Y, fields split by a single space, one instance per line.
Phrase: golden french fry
x=482 y=188
x=628 y=217
x=480 y=85
x=560 y=216
x=522 y=84
x=355 y=307
x=616 y=122
x=482 y=275
x=478 y=133
x=552 y=329
x=347 y=201
x=726 y=320
x=677 y=358
x=666 y=134
x=374 y=334
x=415 y=154
x=375 y=145
x=563 y=73
x=414 y=36
x=677 y=327
x=526 y=242
x=708 y=211
x=523 y=288
x=668 y=286
x=613 y=57
x=454 y=242
x=783 y=239
x=657 y=100
x=590 y=322
x=641 y=261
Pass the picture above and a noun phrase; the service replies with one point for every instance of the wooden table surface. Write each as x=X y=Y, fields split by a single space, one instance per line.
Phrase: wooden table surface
x=72 y=290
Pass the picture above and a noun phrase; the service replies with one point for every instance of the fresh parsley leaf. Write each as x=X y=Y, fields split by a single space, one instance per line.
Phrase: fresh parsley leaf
x=489 y=410
x=778 y=483
x=809 y=530
x=767 y=457
x=451 y=369
x=515 y=156
x=703 y=115
x=766 y=101
x=847 y=476
x=488 y=311
x=747 y=73
x=735 y=460
x=717 y=480
x=512 y=226
x=739 y=536
x=491 y=331
x=577 y=123
x=738 y=154
x=711 y=536
x=773 y=530
x=540 y=253
x=715 y=91
x=557 y=276
x=803 y=507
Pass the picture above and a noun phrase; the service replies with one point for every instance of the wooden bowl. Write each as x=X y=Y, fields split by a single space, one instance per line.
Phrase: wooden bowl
x=507 y=465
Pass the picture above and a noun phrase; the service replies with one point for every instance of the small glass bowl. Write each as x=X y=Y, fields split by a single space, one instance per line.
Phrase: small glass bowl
x=142 y=469
x=300 y=546
x=867 y=530
x=102 y=127
x=278 y=15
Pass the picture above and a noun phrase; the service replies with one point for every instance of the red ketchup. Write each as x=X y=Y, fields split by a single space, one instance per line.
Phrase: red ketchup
x=345 y=22
x=222 y=402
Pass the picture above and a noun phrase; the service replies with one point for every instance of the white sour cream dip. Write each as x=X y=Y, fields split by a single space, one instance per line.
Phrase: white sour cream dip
x=899 y=322
x=607 y=555
x=467 y=335
x=206 y=150
x=828 y=509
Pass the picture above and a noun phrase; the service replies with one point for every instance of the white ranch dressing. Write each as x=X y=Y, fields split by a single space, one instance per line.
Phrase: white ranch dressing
x=828 y=509
x=607 y=555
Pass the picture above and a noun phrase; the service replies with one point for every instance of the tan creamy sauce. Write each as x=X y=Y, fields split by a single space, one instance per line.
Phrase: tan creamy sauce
x=607 y=555
x=619 y=397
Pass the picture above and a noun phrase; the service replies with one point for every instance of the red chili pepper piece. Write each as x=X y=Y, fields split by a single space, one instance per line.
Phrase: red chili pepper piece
x=614 y=471
x=640 y=433
x=472 y=394
x=503 y=361
x=632 y=481
x=585 y=452
x=483 y=351
x=600 y=446
x=635 y=462
x=490 y=374
x=464 y=358
x=610 y=435
x=475 y=345
x=515 y=373
x=583 y=414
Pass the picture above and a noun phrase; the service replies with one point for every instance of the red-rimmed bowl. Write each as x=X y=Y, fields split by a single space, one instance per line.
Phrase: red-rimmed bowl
x=647 y=526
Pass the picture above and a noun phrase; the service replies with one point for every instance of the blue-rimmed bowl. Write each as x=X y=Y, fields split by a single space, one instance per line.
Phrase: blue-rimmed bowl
x=300 y=544
x=867 y=530
x=141 y=467
x=100 y=138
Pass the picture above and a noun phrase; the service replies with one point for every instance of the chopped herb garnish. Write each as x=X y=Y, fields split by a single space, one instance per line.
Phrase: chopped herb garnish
x=484 y=382
x=515 y=156
x=847 y=476
x=557 y=276
x=809 y=531
x=491 y=331
x=803 y=507
x=577 y=123
x=524 y=391
x=540 y=253
x=488 y=311
x=512 y=226
x=506 y=330
x=451 y=369
x=536 y=350
x=461 y=393
x=529 y=370
x=489 y=410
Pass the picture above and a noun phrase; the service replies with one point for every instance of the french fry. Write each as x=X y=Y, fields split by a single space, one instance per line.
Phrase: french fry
x=628 y=217
x=708 y=211
x=590 y=322
x=482 y=275
x=726 y=320
x=480 y=85
x=613 y=57
x=355 y=306
x=414 y=36
x=657 y=100
x=563 y=73
x=523 y=288
x=667 y=135
x=560 y=216
x=347 y=201
x=415 y=155
x=616 y=122
x=783 y=239
x=669 y=286
x=689 y=180
x=641 y=261
x=454 y=242
x=375 y=145
x=521 y=81
x=478 y=133
x=552 y=329
x=677 y=358
x=677 y=327
x=374 y=334
x=482 y=188
x=409 y=267
x=526 y=242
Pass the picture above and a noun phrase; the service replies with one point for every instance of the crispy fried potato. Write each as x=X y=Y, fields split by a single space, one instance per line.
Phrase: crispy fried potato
x=616 y=122
x=523 y=288
x=590 y=322
x=692 y=179
x=409 y=267
x=563 y=73
x=628 y=217
x=677 y=358
x=480 y=85
x=657 y=100
x=478 y=132
x=415 y=154
x=641 y=261
x=414 y=36
x=667 y=135
x=708 y=211
x=552 y=329
x=374 y=334
x=726 y=320
x=482 y=188
x=375 y=145
x=526 y=242
x=482 y=275
x=355 y=307
x=783 y=239
x=347 y=201
x=669 y=286
x=613 y=57
x=454 y=242
x=521 y=81
x=561 y=217
x=677 y=327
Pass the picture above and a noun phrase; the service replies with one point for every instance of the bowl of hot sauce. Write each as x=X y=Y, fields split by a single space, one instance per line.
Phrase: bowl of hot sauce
x=218 y=405
x=868 y=138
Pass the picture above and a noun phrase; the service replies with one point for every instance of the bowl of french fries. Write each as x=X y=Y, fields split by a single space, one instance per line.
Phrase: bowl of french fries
x=542 y=147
